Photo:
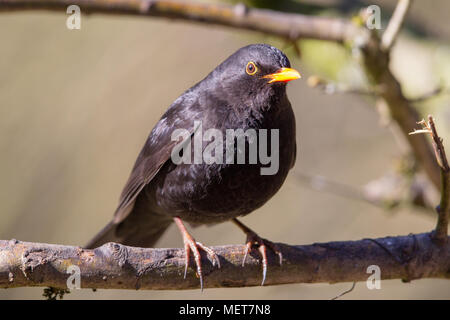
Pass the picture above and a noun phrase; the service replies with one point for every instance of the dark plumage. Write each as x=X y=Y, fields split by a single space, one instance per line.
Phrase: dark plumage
x=230 y=97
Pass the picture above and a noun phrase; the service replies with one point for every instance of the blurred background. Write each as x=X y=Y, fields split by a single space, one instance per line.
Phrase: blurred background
x=77 y=105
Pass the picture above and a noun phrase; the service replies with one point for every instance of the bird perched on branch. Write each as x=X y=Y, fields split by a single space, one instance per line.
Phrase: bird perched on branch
x=187 y=173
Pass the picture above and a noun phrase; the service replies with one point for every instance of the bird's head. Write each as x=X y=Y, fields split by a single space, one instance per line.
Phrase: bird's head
x=257 y=71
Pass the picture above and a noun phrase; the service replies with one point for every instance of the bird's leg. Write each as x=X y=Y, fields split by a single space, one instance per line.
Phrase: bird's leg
x=191 y=245
x=252 y=240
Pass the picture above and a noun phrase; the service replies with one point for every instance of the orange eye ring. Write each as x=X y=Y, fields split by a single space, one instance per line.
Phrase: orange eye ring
x=251 y=68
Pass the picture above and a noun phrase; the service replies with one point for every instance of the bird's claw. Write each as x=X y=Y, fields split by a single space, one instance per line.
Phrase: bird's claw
x=211 y=254
x=191 y=245
x=254 y=240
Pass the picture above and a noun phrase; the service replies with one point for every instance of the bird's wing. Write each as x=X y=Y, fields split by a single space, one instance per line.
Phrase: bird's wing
x=155 y=153
x=144 y=171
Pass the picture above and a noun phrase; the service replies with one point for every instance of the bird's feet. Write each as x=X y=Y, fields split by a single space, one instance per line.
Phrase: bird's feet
x=191 y=245
x=253 y=240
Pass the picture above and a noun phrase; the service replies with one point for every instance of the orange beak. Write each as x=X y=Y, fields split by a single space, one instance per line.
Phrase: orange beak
x=283 y=75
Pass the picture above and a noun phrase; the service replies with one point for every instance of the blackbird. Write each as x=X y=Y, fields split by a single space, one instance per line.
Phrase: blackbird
x=247 y=91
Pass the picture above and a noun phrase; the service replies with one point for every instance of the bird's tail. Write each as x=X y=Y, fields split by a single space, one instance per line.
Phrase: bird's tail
x=130 y=233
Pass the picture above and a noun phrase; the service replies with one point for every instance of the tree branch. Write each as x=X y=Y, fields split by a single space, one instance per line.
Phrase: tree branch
x=289 y=26
x=376 y=55
x=114 y=266
x=401 y=110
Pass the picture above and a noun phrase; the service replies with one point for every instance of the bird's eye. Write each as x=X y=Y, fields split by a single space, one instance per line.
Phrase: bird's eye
x=251 y=68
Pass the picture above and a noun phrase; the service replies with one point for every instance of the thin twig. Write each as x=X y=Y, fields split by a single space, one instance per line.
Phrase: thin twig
x=431 y=94
x=395 y=24
x=370 y=193
x=443 y=209
x=332 y=88
x=323 y=184
x=345 y=292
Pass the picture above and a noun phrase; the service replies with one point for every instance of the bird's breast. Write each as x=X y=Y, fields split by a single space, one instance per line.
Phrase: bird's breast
x=239 y=166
